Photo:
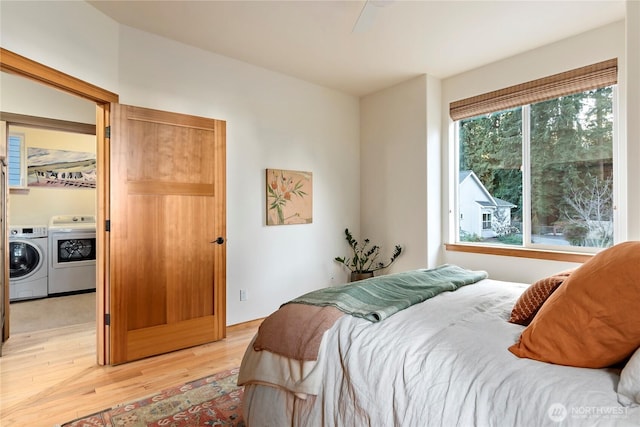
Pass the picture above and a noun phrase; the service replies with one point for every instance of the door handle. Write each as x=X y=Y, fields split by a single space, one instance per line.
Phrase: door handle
x=219 y=241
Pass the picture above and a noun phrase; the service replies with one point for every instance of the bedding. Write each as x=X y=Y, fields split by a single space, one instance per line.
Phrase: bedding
x=441 y=362
x=296 y=328
x=377 y=298
x=629 y=385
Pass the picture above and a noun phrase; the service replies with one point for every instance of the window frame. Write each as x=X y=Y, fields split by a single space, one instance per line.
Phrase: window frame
x=23 y=185
x=487 y=220
x=537 y=250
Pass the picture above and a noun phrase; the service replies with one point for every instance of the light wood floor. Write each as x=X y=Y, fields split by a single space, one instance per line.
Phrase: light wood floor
x=51 y=377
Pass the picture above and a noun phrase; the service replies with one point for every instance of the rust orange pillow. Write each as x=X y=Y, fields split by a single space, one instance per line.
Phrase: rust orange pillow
x=534 y=296
x=592 y=320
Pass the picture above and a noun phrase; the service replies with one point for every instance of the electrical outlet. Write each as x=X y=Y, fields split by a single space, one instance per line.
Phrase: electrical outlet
x=243 y=294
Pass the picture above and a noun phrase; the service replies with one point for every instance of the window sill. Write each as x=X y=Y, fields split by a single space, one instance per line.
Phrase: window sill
x=520 y=252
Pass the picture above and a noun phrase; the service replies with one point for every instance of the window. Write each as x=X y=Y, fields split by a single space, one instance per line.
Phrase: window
x=486 y=221
x=543 y=167
x=16 y=161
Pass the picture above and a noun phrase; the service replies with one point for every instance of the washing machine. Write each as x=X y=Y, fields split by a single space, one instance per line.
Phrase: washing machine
x=28 y=262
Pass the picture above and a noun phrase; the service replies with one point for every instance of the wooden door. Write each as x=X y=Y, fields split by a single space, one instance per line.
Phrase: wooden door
x=167 y=209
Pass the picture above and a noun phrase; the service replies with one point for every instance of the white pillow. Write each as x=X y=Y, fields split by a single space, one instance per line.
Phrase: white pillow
x=629 y=385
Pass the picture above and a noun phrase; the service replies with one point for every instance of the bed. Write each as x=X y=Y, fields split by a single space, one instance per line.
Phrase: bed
x=444 y=361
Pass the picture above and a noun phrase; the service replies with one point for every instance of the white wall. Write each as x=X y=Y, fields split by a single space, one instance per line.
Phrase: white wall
x=273 y=121
x=22 y=96
x=632 y=78
x=434 y=176
x=72 y=37
x=591 y=47
x=399 y=171
x=391 y=120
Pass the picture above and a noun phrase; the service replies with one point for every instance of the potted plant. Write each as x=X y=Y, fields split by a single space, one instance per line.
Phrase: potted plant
x=364 y=260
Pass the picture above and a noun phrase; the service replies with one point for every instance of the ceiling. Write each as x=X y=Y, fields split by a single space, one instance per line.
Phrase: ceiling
x=400 y=39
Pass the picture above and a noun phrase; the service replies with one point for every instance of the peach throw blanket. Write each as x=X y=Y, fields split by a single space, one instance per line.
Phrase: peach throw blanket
x=301 y=342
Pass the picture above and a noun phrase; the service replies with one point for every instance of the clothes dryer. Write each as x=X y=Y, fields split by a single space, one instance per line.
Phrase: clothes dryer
x=72 y=248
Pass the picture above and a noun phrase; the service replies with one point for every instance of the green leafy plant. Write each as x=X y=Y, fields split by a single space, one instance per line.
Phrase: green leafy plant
x=576 y=234
x=365 y=256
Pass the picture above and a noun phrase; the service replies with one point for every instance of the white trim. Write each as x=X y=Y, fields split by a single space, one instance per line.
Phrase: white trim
x=620 y=175
x=526 y=176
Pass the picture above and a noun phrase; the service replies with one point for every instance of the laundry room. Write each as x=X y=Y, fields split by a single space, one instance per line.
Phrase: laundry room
x=51 y=208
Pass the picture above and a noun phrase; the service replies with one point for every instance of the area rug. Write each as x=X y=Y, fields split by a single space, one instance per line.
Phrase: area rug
x=211 y=401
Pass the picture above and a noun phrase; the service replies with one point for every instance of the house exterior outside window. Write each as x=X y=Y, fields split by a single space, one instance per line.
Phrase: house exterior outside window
x=479 y=210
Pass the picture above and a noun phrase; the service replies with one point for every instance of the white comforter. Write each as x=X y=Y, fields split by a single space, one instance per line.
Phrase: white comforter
x=445 y=363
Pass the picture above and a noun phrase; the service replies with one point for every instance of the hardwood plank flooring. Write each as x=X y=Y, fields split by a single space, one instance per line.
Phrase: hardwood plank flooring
x=51 y=377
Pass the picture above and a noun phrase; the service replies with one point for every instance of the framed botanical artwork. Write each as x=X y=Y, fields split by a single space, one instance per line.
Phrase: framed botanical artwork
x=289 y=197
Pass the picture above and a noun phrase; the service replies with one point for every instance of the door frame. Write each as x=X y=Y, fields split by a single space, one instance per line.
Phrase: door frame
x=13 y=63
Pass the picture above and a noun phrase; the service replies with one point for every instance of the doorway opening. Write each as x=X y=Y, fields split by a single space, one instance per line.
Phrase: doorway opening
x=54 y=284
x=101 y=99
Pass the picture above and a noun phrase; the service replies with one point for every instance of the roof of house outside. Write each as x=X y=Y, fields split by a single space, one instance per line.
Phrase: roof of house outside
x=493 y=201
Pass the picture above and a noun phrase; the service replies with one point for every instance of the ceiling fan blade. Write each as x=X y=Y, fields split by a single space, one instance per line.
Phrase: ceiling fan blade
x=368 y=14
x=366 y=18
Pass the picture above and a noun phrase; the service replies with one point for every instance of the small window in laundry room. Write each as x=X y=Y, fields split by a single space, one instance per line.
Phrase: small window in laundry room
x=17 y=167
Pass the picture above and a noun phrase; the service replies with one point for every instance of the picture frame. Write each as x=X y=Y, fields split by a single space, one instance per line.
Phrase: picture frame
x=289 y=195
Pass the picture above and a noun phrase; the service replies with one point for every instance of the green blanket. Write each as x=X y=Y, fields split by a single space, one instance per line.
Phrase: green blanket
x=377 y=298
